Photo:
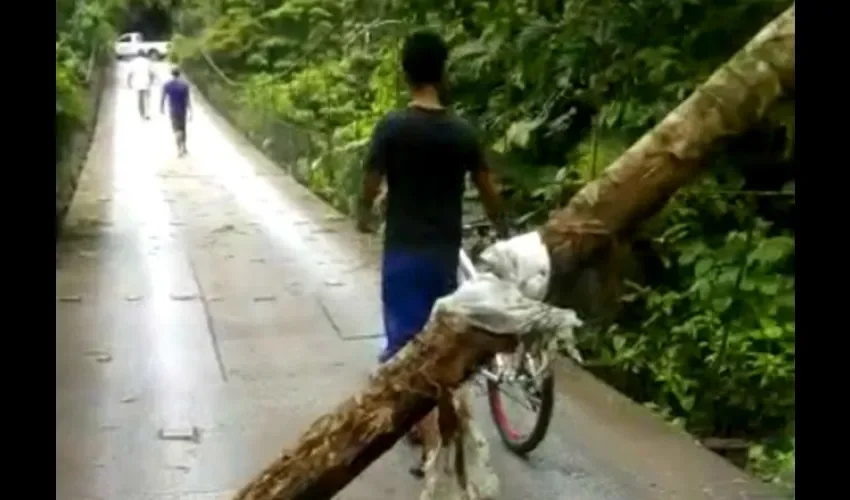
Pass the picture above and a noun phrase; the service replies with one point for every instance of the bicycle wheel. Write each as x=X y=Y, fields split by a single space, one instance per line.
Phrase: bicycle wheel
x=540 y=395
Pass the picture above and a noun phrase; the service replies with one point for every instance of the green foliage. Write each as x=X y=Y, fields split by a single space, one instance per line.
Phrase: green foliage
x=559 y=88
x=777 y=462
x=84 y=30
x=722 y=325
x=69 y=104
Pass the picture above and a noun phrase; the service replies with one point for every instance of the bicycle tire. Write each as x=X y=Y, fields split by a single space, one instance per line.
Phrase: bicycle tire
x=523 y=445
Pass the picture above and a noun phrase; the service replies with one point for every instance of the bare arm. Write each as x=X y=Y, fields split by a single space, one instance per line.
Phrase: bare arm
x=371 y=188
x=490 y=198
x=163 y=95
x=483 y=179
x=373 y=175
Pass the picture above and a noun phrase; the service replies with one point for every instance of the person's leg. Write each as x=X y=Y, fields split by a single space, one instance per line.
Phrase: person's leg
x=444 y=274
x=178 y=125
x=183 y=134
x=403 y=300
x=410 y=284
x=143 y=104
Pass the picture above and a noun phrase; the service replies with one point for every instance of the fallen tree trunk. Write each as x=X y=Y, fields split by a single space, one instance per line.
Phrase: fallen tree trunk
x=639 y=183
x=341 y=444
x=337 y=447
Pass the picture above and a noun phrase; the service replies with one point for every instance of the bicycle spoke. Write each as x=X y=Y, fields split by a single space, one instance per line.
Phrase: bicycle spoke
x=531 y=404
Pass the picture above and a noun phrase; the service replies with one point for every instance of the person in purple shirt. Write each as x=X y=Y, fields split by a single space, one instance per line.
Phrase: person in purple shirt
x=176 y=91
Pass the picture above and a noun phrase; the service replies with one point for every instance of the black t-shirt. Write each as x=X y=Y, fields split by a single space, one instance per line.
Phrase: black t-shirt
x=424 y=155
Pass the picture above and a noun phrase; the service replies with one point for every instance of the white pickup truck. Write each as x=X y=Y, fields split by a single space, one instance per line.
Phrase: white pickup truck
x=130 y=44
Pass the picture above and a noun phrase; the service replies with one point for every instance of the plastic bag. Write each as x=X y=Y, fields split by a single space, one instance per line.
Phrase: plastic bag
x=504 y=297
x=497 y=306
x=504 y=293
x=522 y=260
x=442 y=481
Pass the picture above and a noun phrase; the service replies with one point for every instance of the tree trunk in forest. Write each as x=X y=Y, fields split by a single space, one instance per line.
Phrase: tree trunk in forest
x=641 y=181
x=341 y=444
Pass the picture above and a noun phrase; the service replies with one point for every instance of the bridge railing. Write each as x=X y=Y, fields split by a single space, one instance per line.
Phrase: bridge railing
x=292 y=147
x=70 y=156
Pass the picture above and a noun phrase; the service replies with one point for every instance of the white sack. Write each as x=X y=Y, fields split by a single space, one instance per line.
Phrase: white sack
x=522 y=260
x=441 y=478
x=503 y=297
x=498 y=306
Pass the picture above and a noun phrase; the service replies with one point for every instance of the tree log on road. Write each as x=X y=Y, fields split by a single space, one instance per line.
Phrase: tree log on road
x=341 y=444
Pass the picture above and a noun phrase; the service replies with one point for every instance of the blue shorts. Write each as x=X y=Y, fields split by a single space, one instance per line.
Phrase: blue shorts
x=411 y=281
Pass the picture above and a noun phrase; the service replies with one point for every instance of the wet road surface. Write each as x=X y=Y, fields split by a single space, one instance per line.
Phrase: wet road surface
x=209 y=308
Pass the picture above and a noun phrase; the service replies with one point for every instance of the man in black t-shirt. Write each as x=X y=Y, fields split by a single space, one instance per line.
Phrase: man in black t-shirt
x=424 y=153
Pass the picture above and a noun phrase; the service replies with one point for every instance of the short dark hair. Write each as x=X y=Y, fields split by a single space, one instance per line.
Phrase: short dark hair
x=175 y=72
x=423 y=58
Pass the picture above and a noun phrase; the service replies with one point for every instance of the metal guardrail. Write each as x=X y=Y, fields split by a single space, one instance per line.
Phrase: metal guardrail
x=289 y=145
x=71 y=161
x=294 y=148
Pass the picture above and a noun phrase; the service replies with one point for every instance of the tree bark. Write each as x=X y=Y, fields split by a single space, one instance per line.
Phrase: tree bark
x=338 y=446
x=341 y=444
x=638 y=184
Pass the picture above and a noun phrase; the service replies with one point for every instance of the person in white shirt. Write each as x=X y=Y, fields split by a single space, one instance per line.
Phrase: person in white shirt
x=140 y=78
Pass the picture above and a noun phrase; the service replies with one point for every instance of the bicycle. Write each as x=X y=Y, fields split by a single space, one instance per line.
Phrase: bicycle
x=529 y=369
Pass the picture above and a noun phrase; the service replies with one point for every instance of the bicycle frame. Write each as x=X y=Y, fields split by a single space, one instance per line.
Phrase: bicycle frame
x=527 y=368
x=467 y=271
